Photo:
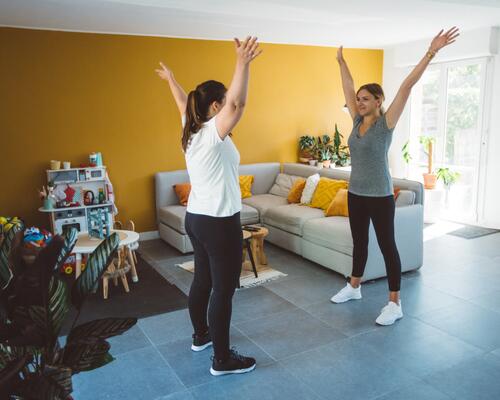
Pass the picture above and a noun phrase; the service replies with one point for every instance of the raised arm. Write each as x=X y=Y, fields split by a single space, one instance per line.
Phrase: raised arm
x=398 y=104
x=347 y=84
x=178 y=92
x=236 y=95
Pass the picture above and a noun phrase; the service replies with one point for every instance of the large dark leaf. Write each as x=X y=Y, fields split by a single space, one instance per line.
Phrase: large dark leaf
x=87 y=355
x=53 y=384
x=101 y=328
x=70 y=236
x=10 y=372
x=6 y=273
x=97 y=263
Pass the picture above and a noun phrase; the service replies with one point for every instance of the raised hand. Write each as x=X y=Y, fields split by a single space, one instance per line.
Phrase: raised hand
x=444 y=39
x=247 y=50
x=164 y=72
x=340 y=54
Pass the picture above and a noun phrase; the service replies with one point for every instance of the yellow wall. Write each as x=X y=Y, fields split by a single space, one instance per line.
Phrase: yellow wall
x=64 y=95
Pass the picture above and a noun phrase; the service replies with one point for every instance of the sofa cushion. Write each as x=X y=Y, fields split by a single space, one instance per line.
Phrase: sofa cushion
x=283 y=184
x=291 y=217
x=262 y=202
x=331 y=232
x=308 y=192
x=174 y=216
x=405 y=198
x=249 y=215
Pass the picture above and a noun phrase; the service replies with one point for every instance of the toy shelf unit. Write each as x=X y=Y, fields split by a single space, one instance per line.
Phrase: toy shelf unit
x=82 y=199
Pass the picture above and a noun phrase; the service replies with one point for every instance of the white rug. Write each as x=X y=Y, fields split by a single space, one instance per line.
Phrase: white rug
x=247 y=278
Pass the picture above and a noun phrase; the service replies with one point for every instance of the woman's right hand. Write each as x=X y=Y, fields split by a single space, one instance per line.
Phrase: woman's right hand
x=340 y=55
x=164 y=72
x=247 y=50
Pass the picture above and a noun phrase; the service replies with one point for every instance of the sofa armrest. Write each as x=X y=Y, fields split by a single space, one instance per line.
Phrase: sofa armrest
x=409 y=233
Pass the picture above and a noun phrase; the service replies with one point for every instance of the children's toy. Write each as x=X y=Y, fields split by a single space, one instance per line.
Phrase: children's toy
x=35 y=238
x=98 y=223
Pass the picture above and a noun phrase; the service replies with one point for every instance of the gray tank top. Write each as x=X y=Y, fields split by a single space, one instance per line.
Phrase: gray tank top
x=369 y=164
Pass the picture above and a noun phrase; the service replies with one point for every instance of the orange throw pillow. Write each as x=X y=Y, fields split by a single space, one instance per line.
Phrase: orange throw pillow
x=338 y=206
x=295 y=192
x=396 y=192
x=182 y=191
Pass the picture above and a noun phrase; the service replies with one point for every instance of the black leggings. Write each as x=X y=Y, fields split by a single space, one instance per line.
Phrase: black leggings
x=381 y=211
x=217 y=244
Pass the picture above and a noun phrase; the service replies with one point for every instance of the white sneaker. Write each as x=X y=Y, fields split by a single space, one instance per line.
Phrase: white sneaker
x=390 y=314
x=347 y=293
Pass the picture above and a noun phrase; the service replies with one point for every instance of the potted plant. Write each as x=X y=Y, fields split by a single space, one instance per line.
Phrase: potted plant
x=429 y=177
x=406 y=155
x=449 y=178
x=306 y=144
x=323 y=149
x=340 y=154
x=34 y=303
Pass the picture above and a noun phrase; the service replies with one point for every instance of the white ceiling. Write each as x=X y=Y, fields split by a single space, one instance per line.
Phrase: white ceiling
x=355 y=23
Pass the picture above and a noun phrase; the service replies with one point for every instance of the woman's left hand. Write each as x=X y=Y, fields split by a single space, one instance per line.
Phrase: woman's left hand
x=444 y=39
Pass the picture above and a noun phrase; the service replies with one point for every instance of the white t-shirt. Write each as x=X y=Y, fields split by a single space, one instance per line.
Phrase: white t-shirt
x=212 y=165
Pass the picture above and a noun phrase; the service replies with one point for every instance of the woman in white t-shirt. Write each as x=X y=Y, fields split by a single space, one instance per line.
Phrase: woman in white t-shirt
x=209 y=113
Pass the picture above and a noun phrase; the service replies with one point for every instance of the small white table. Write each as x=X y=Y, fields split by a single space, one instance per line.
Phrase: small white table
x=86 y=245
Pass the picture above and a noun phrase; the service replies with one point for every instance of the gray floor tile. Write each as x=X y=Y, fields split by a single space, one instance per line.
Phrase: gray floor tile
x=133 y=339
x=193 y=367
x=257 y=302
x=496 y=352
x=290 y=332
x=351 y=318
x=264 y=383
x=157 y=249
x=184 y=395
x=490 y=301
x=347 y=369
x=418 y=347
x=168 y=327
x=462 y=284
x=475 y=379
x=304 y=292
x=139 y=374
x=470 y=323
x=417 y=298
x=416 y=391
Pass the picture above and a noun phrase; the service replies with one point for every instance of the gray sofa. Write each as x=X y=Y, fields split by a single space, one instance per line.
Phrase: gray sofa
x=300 y=229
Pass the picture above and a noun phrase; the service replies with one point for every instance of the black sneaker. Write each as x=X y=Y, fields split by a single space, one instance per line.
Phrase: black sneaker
x=201 y=342
x=235 y=364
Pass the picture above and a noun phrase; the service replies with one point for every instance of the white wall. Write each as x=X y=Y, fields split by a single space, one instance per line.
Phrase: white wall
x=399 y=60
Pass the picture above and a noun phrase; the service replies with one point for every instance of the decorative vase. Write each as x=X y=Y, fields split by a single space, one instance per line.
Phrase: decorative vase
x=429 y=181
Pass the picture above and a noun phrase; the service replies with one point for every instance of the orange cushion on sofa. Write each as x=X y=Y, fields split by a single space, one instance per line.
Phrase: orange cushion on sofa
x=295 y=192
x=182 y=191
x=338 y=206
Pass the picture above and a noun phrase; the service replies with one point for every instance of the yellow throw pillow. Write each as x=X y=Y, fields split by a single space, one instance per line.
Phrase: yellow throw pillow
x=338 y=206
x=246 y=186
x=295 y=192
x=326 y=191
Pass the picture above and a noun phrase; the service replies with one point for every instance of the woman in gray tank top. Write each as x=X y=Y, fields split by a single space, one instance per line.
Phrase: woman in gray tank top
x=370 y=194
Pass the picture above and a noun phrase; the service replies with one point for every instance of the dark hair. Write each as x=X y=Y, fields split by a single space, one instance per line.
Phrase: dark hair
x=198 y=102
x=376 y=90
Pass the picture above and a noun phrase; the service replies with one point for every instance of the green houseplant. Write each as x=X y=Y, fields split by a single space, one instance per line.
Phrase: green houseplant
x=306 y=145
x=33 y=306
x=405 y=150
x=449 y=178
x=323 y=149
x=429 y=177
x=340 y=156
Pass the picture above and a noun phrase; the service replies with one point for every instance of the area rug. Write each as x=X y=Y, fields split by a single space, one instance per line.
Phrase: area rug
x=152 y=295
x=472 y=232
x=247 y=278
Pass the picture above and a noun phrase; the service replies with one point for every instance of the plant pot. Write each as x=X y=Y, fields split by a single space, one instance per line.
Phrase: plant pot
x=326 y=163
x=304 y=160
x=429 y=181
x=313 y=162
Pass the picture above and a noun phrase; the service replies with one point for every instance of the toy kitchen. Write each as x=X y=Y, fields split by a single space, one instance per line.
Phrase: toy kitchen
x=79 y=198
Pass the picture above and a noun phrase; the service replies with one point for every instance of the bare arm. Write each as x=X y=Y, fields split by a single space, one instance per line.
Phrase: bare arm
x=178 y=92
x=236 y=95
x=347 y=84
x=397 y=106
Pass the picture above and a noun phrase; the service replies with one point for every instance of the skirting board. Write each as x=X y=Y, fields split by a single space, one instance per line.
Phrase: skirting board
x=148 y=235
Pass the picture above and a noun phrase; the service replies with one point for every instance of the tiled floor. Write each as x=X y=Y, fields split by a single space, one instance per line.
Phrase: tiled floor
x=446 y=347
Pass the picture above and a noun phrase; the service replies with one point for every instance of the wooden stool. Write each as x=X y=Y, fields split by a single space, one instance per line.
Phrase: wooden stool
x=117 y=269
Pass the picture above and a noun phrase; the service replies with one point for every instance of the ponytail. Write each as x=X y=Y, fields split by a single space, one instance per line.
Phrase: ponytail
x=197 y=109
